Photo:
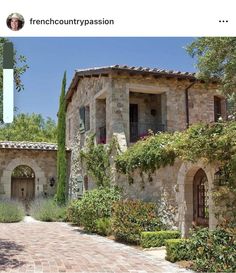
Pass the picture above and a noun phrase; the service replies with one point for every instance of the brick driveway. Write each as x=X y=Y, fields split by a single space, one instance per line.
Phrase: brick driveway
x=58 y=247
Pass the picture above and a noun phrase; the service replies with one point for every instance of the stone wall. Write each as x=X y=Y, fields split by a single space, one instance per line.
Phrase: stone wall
x=43 y=163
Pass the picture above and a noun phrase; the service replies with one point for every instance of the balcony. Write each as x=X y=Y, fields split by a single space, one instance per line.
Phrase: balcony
x=139 y=130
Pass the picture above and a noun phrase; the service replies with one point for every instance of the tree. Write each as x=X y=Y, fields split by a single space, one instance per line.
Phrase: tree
x=61 y=151
x=20 y=66
x=29 y=127
x=216 y=58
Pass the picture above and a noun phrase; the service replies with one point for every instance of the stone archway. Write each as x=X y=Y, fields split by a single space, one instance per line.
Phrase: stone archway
x=40 y=178
x=184 y=194
x=23 y=184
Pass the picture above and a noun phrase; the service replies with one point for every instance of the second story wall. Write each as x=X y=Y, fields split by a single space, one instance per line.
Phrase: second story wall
x=128 y=105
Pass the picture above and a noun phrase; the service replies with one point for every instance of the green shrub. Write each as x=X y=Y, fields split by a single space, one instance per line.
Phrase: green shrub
x=177 y=250
x=72 y=211
x=11 y=211
x=157 y=238
x=47 y=210
x=130 y=218
x=103 y=226
x=213 y=251
x=96 y=204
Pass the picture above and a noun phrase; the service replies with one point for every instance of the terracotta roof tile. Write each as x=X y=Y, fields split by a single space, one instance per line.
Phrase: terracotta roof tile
x=28 y=145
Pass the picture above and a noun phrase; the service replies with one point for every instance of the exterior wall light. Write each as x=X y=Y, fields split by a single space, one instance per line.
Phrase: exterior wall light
x=52 y=181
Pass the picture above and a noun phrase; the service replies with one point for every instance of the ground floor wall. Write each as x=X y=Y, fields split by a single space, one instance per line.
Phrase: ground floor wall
x=173 y=189
x=43 y=164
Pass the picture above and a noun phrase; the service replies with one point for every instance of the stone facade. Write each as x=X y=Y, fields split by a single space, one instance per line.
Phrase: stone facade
x=126 y=102
x=41 y=158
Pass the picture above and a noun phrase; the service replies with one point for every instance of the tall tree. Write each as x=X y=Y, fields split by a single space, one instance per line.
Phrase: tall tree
x=20 y=66
x=61 y=152
x=216 y=58
x=29 y=127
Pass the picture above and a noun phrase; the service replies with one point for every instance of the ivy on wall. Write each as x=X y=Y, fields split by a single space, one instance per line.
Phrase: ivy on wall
x=97 y=160
x=215 y=143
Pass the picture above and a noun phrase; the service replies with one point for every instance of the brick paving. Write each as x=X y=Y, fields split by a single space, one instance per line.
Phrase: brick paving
x=31 y=247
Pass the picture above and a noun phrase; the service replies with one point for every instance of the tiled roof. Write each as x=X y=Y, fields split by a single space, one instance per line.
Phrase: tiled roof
x=133 y=70
x=28 y=145
x=139 y=69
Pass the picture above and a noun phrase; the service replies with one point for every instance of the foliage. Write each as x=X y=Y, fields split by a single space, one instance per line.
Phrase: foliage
x=214 y=143
x=61 y=151
x=131 y=217
x=158 y=238
x=213 y=251
x=97 y=161
x=216 y=58
x=103 y=226
x=20 y=67
x=148 y=154
x=96 y=204
x=11 y=211
x=177 y=250
x=72 y=211
x=47 y=210
x=29 y=127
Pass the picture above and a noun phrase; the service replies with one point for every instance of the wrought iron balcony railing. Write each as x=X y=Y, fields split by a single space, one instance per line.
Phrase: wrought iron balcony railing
x=141 y=129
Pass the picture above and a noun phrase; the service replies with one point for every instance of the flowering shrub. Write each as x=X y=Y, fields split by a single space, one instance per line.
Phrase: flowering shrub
x=72 y=211
x=96 y=204
x=131 y=217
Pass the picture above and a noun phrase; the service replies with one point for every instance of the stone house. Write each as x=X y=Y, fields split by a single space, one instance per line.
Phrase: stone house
x=127 y=102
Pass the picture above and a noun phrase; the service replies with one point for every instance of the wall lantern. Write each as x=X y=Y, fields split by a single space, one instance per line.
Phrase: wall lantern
x=153 y=112
x=52 y=181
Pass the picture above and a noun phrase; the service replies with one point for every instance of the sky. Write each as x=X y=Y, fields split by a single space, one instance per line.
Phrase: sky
x=48 y=58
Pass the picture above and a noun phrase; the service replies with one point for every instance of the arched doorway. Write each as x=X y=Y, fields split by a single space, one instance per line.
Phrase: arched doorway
x=200 y=199
x=23 y=184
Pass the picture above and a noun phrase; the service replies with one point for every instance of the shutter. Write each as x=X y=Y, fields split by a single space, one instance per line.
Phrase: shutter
x=82 y=119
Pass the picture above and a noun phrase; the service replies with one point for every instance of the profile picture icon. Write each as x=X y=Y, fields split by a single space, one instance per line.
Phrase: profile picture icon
x=15 y=21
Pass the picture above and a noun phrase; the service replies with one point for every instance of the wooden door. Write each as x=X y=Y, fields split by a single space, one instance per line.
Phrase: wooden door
x=200 y=199
x=22 y=189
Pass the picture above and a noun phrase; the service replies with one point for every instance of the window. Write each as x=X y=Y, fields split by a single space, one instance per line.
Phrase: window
x=217 y=108
x=84 y=113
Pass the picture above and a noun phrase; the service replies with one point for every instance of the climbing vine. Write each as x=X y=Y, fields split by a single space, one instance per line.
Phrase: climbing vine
x=97 y=160
x=214 y=143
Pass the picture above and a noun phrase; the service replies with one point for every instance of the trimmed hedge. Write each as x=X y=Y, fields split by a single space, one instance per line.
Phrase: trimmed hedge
x=177 y=250
x=157 y=238
x=131 y=217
